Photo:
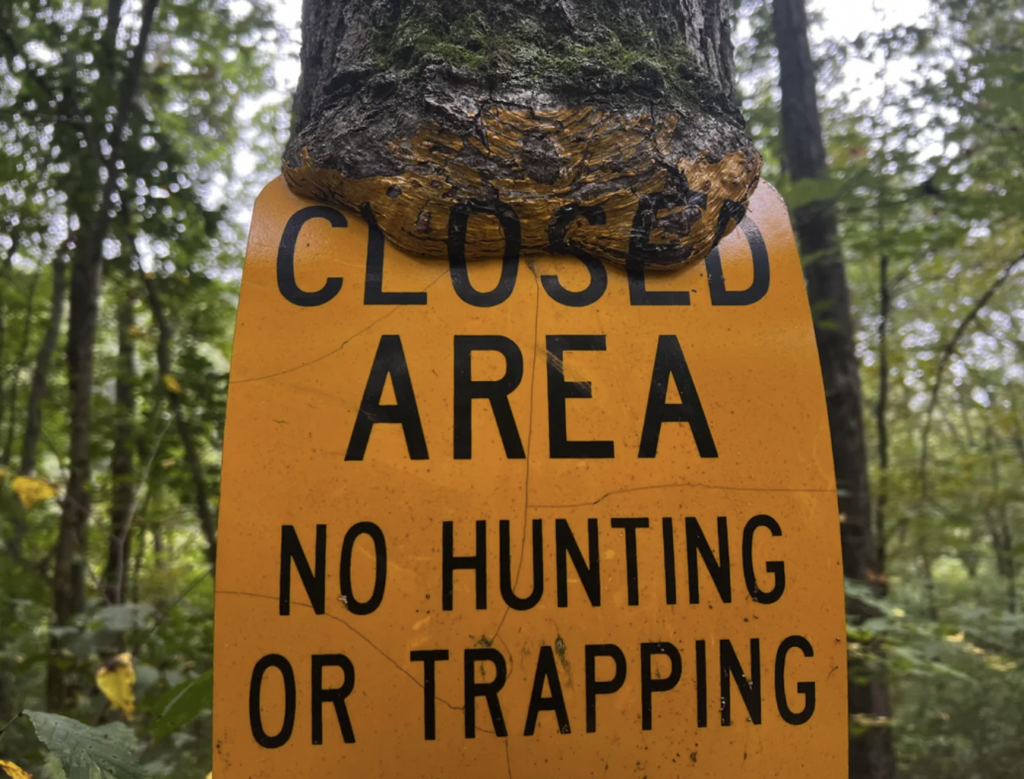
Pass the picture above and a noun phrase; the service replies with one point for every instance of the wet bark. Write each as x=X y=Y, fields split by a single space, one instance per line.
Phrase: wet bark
x=577 y=126
x=871 y=749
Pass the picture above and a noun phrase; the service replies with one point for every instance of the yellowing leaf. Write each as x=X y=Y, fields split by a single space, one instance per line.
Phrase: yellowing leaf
x=136 y=332
x=14 y=772
x=209 y=775
x=29 y=489
x=172 y=384
x=116 y=680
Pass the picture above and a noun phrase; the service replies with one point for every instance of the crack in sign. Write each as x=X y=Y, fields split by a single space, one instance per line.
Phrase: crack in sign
x=703 y=485
x=529 y=441
x=361 y=635
x=341 y=346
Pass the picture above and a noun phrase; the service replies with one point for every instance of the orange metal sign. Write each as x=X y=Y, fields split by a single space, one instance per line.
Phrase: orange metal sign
x=534 y=518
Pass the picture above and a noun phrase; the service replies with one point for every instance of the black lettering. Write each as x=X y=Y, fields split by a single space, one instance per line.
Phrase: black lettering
x=669 y=361
x=702 y=685
x=374 y=294
x=641 y=249
x=389 y=361
x=804 y=688
x=255 y=686
x=497 y=392
x=750 y=689
x=776 y=568
x=590 y=575
x=630 y=525
x=314 y=582
x=594 y=687
x=731 y=211
x=648 y=684
x=489 y=690
x=668 y=539
x=696 y=542
x=556 y=241
x=546 y=670
x=336 y=696
x=560 y=390
x=458 y=221
x=380 y=579
x=286 y=258
x=505 y=552
x=450 y=563
x=429 y=658
x=720 y=296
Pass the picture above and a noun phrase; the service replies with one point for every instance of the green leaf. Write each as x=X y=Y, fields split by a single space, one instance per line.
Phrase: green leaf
x=182 y=704
x=86 y=752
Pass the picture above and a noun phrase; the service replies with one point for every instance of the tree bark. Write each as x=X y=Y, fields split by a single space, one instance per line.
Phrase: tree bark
x=86 y=276
x=578 y=126
x=207 y=522
x=871 y=752
x=6 y=272
x=881 y=411
x=44 y=357
x=17 y=365
x=122 y=472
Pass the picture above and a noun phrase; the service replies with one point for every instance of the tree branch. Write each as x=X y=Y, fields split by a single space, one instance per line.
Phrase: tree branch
x=947 y=355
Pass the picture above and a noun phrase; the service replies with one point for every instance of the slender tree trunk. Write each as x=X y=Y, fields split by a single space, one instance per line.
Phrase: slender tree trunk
x=16 y=367
x=999 y=526
x=931 y=599
x=86 y=276
x=423 y=112
x=122 y=472
x=44 y=358
x=882 y=500
x=6 y=273
x=207 y=521
x=871 y=754
x=140 y=554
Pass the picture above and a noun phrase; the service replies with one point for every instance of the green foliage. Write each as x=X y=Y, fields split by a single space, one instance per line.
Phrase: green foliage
x=105 y=752
x=177 y=238
x=182 y=704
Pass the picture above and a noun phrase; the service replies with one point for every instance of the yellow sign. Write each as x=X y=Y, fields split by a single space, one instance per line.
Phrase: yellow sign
x=535 y=518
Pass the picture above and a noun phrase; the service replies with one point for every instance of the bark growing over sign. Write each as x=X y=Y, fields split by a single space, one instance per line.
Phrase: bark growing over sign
x=594 y=127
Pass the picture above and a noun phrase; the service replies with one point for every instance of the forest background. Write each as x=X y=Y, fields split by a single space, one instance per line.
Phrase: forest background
x=130 y=157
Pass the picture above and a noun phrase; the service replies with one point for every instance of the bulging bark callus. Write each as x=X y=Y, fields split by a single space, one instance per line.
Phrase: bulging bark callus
x=608 y=132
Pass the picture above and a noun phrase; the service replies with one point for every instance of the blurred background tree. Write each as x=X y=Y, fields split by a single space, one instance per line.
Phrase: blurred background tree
x=133 y=137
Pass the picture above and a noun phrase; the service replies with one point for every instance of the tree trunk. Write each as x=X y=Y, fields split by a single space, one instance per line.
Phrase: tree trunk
x=86 y=275
x=44 y=357
x=207 y=523
x=579 y=126
x=122 y=473
x=871 y=753
x=881 y=410
x=17 y=365
x=6 y=272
